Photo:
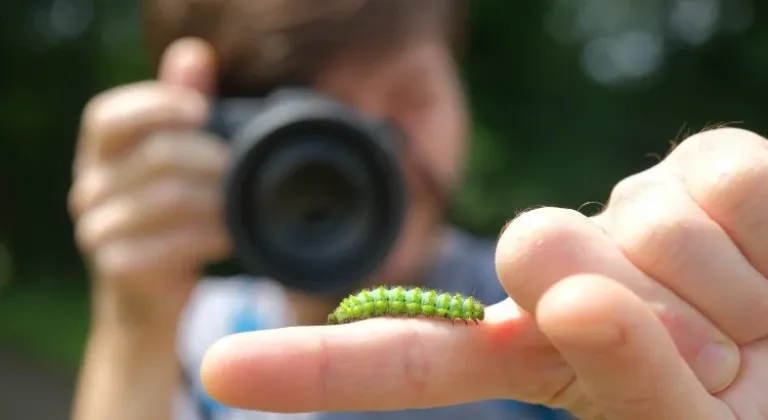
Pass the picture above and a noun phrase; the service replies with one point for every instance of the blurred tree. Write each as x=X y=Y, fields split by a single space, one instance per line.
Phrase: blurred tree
x=569 y=96
x=573 y=95
x=49 y=49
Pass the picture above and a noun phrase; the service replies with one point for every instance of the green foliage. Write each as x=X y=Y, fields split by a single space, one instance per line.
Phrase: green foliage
x=545 y=132
x=552 y=127
x=45 y=323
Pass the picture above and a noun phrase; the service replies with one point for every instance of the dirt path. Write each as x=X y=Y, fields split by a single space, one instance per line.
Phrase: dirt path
x=28 y=391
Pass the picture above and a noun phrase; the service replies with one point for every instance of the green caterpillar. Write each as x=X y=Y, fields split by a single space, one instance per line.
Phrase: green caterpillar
x=412 y=302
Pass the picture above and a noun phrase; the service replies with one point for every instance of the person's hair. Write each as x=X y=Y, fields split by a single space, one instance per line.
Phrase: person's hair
x=262 y=44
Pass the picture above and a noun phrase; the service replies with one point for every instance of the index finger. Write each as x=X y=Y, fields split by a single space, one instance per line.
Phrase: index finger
x=115 y=120
x=380 y=364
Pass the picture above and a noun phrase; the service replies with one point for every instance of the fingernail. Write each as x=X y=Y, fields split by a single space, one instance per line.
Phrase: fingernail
x=717 y=365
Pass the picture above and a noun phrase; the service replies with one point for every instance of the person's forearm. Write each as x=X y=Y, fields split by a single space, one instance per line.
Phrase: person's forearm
x=127 y=375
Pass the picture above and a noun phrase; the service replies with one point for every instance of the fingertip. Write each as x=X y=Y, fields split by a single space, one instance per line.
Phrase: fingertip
x=209 y=367
x=533 y=240
x=190 y=63
x=215 y=370
x=253 y=370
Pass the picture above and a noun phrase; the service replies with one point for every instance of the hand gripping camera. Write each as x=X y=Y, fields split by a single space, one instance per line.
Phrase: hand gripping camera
x=314 y=195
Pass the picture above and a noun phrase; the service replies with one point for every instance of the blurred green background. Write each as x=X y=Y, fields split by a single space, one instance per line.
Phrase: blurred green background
x=569 y=96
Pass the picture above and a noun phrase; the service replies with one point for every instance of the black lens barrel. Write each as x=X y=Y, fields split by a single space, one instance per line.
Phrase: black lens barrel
x=314 y=195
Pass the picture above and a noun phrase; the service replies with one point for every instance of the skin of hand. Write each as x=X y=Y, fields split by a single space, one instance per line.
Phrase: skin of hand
x=145 y=200
x=657 y=308
x=145 y=197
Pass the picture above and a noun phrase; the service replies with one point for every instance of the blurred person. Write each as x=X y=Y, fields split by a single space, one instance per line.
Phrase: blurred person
x=654 y=309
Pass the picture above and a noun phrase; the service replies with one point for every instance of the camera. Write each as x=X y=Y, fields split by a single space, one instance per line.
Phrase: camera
x=314 y=194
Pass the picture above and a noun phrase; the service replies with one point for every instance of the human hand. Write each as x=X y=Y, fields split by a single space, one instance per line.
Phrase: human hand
x=614 y=316
x=146 y=192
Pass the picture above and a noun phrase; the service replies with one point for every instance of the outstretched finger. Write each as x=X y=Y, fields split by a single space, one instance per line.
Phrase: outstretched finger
x=381 y=364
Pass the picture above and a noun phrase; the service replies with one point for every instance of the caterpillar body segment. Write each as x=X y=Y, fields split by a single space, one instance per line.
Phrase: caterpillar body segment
x=403 y=301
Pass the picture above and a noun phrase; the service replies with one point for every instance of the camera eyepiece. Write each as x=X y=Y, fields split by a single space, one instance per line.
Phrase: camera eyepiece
x=314 y=195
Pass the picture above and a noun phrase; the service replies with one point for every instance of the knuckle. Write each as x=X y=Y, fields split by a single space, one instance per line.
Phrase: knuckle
x=117 y=260
x=734 y=179
x=75 y=200
x=653 y=223
x=625 y=189
x=629 y=187
x=86 y=190
x=718 y=139
x=84 y=236
x=98 y=113
x=96 y=225
x=725 y=171
x=109 y=221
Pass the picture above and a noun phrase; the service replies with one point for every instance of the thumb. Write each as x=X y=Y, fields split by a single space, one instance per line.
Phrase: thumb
x=189 y=63
x=625 y=361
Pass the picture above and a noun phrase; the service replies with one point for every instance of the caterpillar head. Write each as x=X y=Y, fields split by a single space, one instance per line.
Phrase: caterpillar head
x=332 y=320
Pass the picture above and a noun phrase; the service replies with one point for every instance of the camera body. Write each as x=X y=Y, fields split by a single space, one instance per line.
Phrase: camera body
x=314 y=194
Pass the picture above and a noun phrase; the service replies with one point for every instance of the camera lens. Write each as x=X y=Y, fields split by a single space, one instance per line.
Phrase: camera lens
x=314 y=200
x=314 y=195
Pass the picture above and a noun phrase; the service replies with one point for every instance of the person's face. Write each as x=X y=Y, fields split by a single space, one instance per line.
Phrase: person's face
x=417 y=88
